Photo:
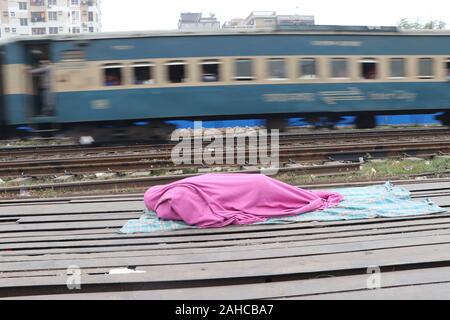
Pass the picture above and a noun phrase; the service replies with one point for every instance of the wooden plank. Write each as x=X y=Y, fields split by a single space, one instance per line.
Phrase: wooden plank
x=253 y=253
x=34 y=234
x=79 y=217
x=214 y=254
x=238 y=229
x=109 y=200
x=330 y=263
x=435 y=291
x=69 y=198
x=34 y=203
x=145 y=250
x=309 y=234
x=64 y=226
x=75 y=208
x=426 y=186
x=273 y=290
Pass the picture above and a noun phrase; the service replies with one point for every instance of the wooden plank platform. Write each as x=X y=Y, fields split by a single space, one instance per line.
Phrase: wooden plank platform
x=41 y=242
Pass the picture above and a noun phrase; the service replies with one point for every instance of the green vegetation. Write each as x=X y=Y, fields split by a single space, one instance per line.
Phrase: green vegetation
x=379 y=170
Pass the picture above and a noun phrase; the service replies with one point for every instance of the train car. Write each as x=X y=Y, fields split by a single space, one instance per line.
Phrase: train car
x=113 y=84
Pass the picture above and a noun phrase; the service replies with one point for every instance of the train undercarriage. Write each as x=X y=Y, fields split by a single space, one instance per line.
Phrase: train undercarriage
x=144 y=130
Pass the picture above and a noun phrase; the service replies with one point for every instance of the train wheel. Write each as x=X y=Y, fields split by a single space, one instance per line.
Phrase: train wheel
x=444 y=119
x=276 y=123
x=366 y=122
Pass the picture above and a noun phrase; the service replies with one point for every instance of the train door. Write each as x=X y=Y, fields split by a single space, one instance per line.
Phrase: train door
x=39 y=61
x=3 y=120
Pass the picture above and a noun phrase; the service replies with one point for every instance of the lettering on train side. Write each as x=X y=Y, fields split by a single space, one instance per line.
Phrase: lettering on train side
x=337 y=43
x=333 y=97
x=100 y=104
x=396 y=95
x=122 y=47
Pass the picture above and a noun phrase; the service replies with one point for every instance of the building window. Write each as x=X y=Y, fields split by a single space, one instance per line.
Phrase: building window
x=37 y=16
x=308 y=68
x=52 y=15
x=143 y=73
x=23 y=21
x=243 y=70
x=23 y=6
x=91 y=29
x=5 y=13
x=53 y=30
x=75 y=16
x=14 y=30
x=74 y=2
x=369 y=69
x=397 y=68
x=52 y=2
x=37 y=3
x=7 y=30
x=339 y=68
x=76 y=30
x=176 y=71
x=90 y=16
x=210 y=70
x=277 y=69
x=37 y=31
x=13 y=14
x=112 y=73
x=426 y=68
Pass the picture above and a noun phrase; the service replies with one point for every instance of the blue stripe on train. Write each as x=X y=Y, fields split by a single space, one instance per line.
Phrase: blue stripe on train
x=257 y=45
x=185 y=102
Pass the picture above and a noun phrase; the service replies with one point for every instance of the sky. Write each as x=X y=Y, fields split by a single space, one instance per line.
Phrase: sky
x=164 y=14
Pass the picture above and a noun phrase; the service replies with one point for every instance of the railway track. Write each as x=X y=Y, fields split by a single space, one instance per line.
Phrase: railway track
x=303 y=154
x=145 y=182
x=303 y=138
x=347 y=152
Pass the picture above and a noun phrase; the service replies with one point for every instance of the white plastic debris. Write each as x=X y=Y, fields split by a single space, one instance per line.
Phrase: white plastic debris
x=125 y=271
x=86 y=140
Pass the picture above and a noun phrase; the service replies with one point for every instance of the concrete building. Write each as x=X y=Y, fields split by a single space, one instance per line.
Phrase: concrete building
x=267 y=19
x=39 y=17
x=196 y=21
x=295 y=20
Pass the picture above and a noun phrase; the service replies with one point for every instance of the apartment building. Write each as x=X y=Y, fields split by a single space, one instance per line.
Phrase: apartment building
x=267 y=19
x=196 y=21
x=40 y=17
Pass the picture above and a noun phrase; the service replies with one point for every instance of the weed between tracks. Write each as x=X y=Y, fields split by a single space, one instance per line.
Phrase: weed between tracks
x=376 y=170
x=438 y=167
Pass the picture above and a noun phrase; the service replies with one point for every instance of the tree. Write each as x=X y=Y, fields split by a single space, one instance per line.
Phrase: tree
x=417 y=25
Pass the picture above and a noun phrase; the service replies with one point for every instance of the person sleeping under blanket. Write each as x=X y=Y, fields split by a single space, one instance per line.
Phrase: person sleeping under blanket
x=219 y=200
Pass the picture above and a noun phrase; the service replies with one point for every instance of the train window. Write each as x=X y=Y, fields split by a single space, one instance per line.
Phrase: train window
x=369 y=68
x=210 y=70
x=143 y=73
x=308 y=68
x=243 y=70
x=447 y=69
x=176 y=71
x=339 y=68
x=112 y=73
x=425 y=68
x=277 y=69
x=397 y=68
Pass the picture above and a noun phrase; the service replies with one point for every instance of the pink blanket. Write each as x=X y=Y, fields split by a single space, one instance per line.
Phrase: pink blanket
x=217 y=200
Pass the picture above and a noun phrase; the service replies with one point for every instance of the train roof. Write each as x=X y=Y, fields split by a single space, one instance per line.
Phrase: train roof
x=288 y=29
